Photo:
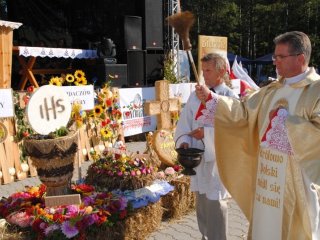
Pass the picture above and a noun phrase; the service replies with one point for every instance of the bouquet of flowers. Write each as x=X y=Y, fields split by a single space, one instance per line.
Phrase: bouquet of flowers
x=76 y=79
x=106 y=115
x=27 y=211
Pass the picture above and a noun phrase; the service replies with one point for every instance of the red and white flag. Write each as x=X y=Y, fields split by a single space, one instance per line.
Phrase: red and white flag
x=238 y=72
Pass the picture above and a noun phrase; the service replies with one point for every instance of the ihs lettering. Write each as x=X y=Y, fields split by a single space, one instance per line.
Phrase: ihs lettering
x=56 y=107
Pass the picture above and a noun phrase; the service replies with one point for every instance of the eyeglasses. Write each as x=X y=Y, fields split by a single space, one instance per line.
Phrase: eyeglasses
x=280 y=57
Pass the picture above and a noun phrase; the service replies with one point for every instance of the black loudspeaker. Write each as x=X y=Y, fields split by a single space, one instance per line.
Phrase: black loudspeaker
x=153 y=24
x=154 y=68
x=136 y=68
x=103 y=72
x=117 y=73
x=133 y=32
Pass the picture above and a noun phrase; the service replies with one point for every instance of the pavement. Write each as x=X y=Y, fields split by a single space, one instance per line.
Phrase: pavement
x=185 y=228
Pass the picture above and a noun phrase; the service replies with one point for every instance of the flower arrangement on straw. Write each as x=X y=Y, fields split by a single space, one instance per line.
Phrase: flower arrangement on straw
x=113 y=171
x=99 y=214
x=27 y=211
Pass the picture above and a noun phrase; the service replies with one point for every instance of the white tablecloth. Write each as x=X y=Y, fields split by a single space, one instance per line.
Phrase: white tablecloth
x=57 y=52
x=13 y=25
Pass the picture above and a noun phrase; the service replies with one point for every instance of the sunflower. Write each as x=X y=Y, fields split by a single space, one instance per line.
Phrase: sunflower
x=55 y=81
x=82 y=81
x=97 y=110
x=106 y=133
x=76 y=107
x=70 y=78
x=79 y=74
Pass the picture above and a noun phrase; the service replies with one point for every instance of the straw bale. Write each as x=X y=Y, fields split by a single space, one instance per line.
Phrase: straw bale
x=180 y=201
x=137 y=226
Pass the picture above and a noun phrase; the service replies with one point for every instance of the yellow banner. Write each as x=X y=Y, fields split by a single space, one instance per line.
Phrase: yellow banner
x=211 y=44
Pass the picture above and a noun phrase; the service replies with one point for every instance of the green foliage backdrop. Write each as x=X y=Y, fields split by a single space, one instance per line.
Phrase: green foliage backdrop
x=251 y=25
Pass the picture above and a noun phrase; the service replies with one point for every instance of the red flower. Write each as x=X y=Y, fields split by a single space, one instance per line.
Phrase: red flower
x=123 y=214
x=42 y=189
x=30 y=89
x=57 y=217
x=83 y=188
x=177 y=168
x=109 y=102
x=102 y=217
x=26 y=99
x=25 y=134
x=36 y=225
x=103 y=123
x=116 y=113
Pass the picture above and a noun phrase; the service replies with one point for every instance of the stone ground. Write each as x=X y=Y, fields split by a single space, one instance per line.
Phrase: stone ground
x=185 y=228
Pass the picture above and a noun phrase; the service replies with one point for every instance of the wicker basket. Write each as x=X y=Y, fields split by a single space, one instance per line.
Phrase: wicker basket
x=54 y=160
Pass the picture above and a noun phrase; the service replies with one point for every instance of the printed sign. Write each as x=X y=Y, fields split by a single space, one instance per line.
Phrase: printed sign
x=6 y=103
x=81 y=94
x=132 y=103
x=54 y=201
x=211 y=44
x=49 y=108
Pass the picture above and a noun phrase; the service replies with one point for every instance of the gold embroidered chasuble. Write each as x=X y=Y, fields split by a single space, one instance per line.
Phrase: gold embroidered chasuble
x=241 y=125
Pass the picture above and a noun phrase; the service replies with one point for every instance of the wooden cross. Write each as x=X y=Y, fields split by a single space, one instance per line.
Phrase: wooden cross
x=162 y=106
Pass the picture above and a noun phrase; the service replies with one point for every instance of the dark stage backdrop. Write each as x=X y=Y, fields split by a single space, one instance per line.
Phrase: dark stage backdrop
x=80 y=23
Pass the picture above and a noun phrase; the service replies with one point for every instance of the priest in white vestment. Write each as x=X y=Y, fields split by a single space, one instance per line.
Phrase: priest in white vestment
x=211 y=195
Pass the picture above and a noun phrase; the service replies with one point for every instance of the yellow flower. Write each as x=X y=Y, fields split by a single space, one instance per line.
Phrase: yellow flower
x=76 y=107
x=70 y=78
x=99 y=202
x=79 y=74
x=55 y=81
x=88 y=210
x=79 y=123
x=106 y=133
x=97 y=110
x=82 y=81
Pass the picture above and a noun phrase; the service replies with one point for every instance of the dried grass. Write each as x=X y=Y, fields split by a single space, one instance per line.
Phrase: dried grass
x=9 y=232
x=122 y=183
x=138 y=226
x=180 y=201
